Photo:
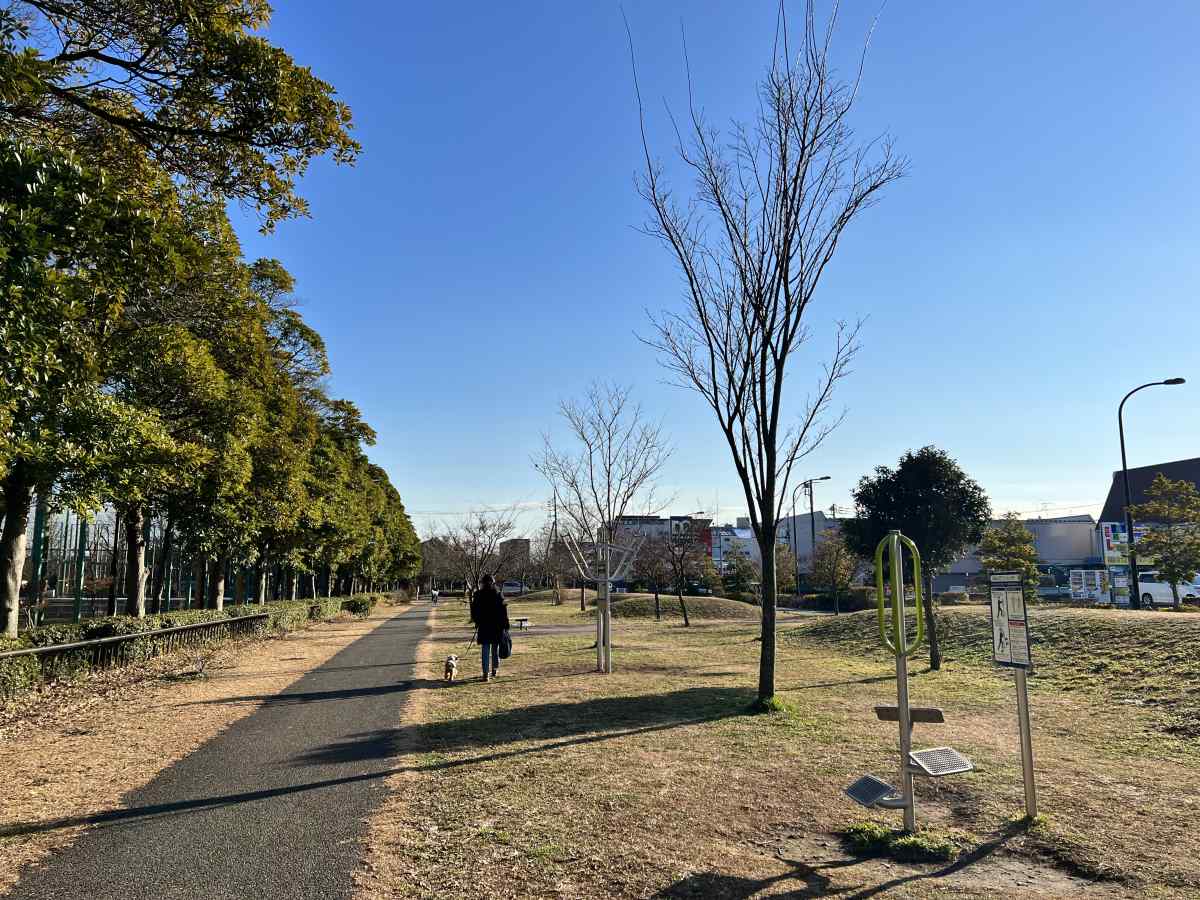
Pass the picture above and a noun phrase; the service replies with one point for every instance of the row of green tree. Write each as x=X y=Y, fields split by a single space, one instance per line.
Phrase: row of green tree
x=148 y=365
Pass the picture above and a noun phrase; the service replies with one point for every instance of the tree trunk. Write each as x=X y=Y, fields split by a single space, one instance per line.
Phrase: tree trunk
x=766 y=664
x=260 y=593
x=18 y=495
x=312 y=585
x=658 y=608
x=161 y=570
x=582 y=599
x=200 y=581
x=293 y=581
x=328 y=582
x=112 y=566
x=216 y=583
x=135 y=562
x=931 y=625
x=1177 y=603
x=687 y=623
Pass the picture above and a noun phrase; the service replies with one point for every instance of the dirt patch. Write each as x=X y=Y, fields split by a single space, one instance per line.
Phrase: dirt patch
x=86 y=744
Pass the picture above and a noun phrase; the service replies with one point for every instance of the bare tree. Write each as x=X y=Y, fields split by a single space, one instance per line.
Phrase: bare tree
x=476 y=546
x=835 y=566
x=610 y=470
x=686 y=554
x=772 y=200
x=551 y=561
x=653 y=566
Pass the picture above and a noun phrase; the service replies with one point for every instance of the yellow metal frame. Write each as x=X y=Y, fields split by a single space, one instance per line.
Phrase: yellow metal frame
x=897 y=642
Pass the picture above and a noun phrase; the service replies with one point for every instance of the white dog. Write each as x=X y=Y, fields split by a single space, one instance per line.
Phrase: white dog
x=451 y=670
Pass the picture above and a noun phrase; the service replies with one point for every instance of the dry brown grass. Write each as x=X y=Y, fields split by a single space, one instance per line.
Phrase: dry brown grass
x=655 y=781
x=76 y=749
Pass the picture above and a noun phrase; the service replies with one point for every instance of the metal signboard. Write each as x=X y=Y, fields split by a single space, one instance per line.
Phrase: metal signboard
x=1010 y=621
x=1010 y=647
x=1114 y=543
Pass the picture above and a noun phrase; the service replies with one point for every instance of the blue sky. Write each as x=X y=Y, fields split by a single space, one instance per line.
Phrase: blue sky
x=482 y=261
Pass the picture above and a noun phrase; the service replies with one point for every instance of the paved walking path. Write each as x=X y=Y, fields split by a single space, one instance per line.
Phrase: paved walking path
x=274 y=807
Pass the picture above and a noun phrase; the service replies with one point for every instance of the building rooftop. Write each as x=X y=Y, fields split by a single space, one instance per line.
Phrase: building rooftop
x=1139 y=480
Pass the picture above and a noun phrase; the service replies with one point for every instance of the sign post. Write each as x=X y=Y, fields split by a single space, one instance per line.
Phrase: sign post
x=1010 y=648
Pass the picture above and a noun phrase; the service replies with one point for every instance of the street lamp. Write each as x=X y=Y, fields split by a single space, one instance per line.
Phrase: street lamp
x=795 y=546
x=807 y=484
x=1135 y=590
x=554 y=540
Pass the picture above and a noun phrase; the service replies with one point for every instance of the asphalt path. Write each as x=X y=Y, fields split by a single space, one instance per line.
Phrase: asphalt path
x=274 y=807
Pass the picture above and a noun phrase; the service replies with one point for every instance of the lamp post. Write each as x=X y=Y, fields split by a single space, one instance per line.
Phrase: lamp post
x=807 y=484
x=795 y=546
x=551 y=553
x=1135 y=590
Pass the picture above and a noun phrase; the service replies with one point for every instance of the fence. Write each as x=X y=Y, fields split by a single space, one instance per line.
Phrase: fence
x=126 y=648
x=77 y=570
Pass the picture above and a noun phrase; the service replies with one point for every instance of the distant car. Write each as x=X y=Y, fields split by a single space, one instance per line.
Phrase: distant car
x=1156 y=591
x=509 y=588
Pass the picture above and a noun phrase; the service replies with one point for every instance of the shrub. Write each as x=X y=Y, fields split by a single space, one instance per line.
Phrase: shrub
x=361 y=605
x=24 y=672
x=17 y=674
x=953 y=598
x=287 y=615
x=325 y=608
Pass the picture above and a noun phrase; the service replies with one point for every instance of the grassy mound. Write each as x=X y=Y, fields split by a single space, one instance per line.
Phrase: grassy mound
x=641 y=606
x=569 y=595
x=1149 y=658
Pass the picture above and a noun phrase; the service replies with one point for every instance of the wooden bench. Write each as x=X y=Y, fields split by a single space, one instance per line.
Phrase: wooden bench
x=522 y=622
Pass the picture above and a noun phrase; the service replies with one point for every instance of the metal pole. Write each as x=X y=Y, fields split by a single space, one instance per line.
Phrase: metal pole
x=599 y=626
x=39 y=549
x=795 y=545
x=608 y=611
x=904 y=715
x=80 y=555
x=1031 y=810
x=1135 y=591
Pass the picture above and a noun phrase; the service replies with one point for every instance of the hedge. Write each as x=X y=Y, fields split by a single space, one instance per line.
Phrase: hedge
x=25 y=672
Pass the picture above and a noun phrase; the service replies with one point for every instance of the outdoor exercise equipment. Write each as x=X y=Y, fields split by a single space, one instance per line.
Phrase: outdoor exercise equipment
x=935 y=762
x=616 y=560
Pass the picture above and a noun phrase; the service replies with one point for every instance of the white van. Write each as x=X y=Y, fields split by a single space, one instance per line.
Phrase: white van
x=1156 y=591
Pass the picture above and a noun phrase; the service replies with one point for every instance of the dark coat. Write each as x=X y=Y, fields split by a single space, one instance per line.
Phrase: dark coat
x=490 y=615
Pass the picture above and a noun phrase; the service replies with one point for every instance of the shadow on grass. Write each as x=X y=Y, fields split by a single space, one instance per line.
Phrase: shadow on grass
x=556 y=725
x=720 y=886
x=561 y=723
x=874 y=679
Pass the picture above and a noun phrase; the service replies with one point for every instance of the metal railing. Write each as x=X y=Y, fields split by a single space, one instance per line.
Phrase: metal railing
x=128 y=648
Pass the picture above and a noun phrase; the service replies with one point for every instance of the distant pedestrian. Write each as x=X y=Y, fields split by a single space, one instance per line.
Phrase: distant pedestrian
x=434 y=594
x=490 y=615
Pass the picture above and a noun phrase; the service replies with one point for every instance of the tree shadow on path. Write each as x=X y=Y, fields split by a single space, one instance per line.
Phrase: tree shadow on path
x=365 y=756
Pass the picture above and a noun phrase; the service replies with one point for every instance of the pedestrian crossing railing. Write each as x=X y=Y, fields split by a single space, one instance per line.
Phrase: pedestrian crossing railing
x=96 y=653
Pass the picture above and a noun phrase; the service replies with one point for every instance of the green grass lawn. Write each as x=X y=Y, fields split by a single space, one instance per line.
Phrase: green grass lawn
x=1148 y=660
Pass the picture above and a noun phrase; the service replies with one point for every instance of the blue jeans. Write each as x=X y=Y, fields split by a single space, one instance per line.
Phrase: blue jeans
x=495 y=651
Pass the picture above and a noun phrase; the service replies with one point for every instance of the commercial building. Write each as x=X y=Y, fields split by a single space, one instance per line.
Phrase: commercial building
x=1063 y=543
x=1112 y=539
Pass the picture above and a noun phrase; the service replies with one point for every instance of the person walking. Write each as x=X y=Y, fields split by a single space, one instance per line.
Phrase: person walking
x=490 y=615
